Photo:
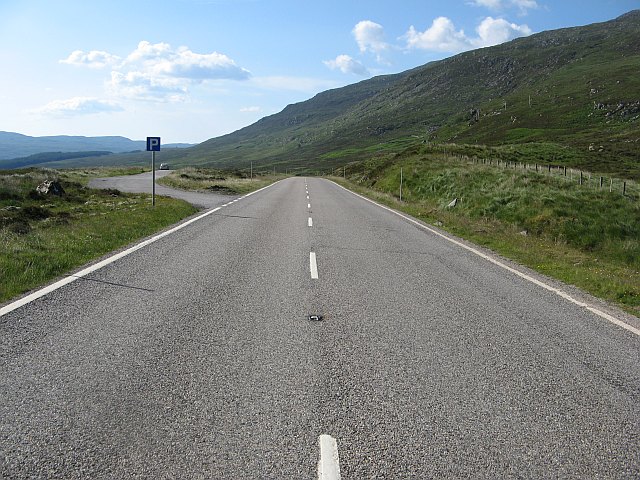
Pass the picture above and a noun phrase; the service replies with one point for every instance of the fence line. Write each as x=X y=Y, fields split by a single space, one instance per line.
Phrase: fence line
x=628 y=188
x=582 y=177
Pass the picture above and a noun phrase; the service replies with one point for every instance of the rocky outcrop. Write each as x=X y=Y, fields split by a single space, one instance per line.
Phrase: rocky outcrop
x=50 y=187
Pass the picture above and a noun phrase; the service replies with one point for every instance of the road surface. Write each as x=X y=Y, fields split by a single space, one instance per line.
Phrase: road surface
x=194 y=357
x=142 y=184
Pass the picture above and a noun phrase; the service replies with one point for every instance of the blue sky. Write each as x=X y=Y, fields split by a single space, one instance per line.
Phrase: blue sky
x=189 y=70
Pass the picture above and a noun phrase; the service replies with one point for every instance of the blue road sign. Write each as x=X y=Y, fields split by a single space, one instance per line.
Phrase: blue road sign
x=153 y=144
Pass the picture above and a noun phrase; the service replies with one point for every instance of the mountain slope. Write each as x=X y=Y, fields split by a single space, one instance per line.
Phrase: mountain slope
x=583 y=84
x=573 y=95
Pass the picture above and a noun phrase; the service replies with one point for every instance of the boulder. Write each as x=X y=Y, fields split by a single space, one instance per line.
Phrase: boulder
x=50 y=187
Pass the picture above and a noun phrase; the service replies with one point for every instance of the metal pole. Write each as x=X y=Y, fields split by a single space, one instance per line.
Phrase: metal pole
x=251 y=178
x=400 y=183
x=153 y=178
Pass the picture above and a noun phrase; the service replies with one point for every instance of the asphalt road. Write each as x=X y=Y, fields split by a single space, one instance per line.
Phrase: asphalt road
x=142 y=184
x=193 y=357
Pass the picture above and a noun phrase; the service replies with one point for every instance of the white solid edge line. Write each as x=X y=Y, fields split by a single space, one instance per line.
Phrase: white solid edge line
x=310 y=222
x=529 y=278
x=97 y=266
x=313 y=266
x=329 y=463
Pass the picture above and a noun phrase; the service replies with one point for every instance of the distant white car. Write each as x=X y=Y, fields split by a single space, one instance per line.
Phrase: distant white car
x=164 y=166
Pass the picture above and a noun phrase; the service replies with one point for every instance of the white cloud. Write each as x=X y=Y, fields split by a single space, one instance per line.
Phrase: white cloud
x=141 y=86
x=196 y=66
x=442 y=36
x=149 y=52
x=158 y=72
x=92 y=59
x=522 y=5
x=161 y=59
x=494 y=31
x=346 y=64
x=525 y=5
x=250 y=109
x=370 y=38
x=493 y=4
x=78 y=106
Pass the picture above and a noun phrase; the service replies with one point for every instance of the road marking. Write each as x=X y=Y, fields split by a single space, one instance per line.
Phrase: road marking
x=78 y=275
x=313 y=266
x=308 y=205
x=307 y=197
x=520 y=274
x=310 y=222
x=329 y=463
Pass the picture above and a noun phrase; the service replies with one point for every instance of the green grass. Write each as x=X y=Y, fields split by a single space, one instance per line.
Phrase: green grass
x=578 y=234
x=41 y=238
x=218 y=181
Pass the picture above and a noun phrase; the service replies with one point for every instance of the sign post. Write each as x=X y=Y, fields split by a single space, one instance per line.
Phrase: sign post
x=153 y=146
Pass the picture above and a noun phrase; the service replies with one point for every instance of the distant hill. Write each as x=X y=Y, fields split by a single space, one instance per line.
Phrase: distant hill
x=571 y=96
x=15 y=145
x=48 y=157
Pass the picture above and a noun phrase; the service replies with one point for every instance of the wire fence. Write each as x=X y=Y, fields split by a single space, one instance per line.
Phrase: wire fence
x=560 y=173
x=575 y=176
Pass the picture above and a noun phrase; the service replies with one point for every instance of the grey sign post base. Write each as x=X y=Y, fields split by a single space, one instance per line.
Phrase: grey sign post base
x=153 y=179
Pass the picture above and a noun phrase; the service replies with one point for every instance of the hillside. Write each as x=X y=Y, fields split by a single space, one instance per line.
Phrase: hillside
x=571 y=96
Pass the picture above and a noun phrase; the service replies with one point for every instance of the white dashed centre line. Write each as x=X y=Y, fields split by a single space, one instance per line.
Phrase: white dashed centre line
x=313 y=266
x=329 y=463
x=310 y=222
x=308 y=205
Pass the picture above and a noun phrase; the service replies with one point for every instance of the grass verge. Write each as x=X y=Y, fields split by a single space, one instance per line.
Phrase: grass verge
x=42 y=237
x=584 y=237
x=217 y=181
